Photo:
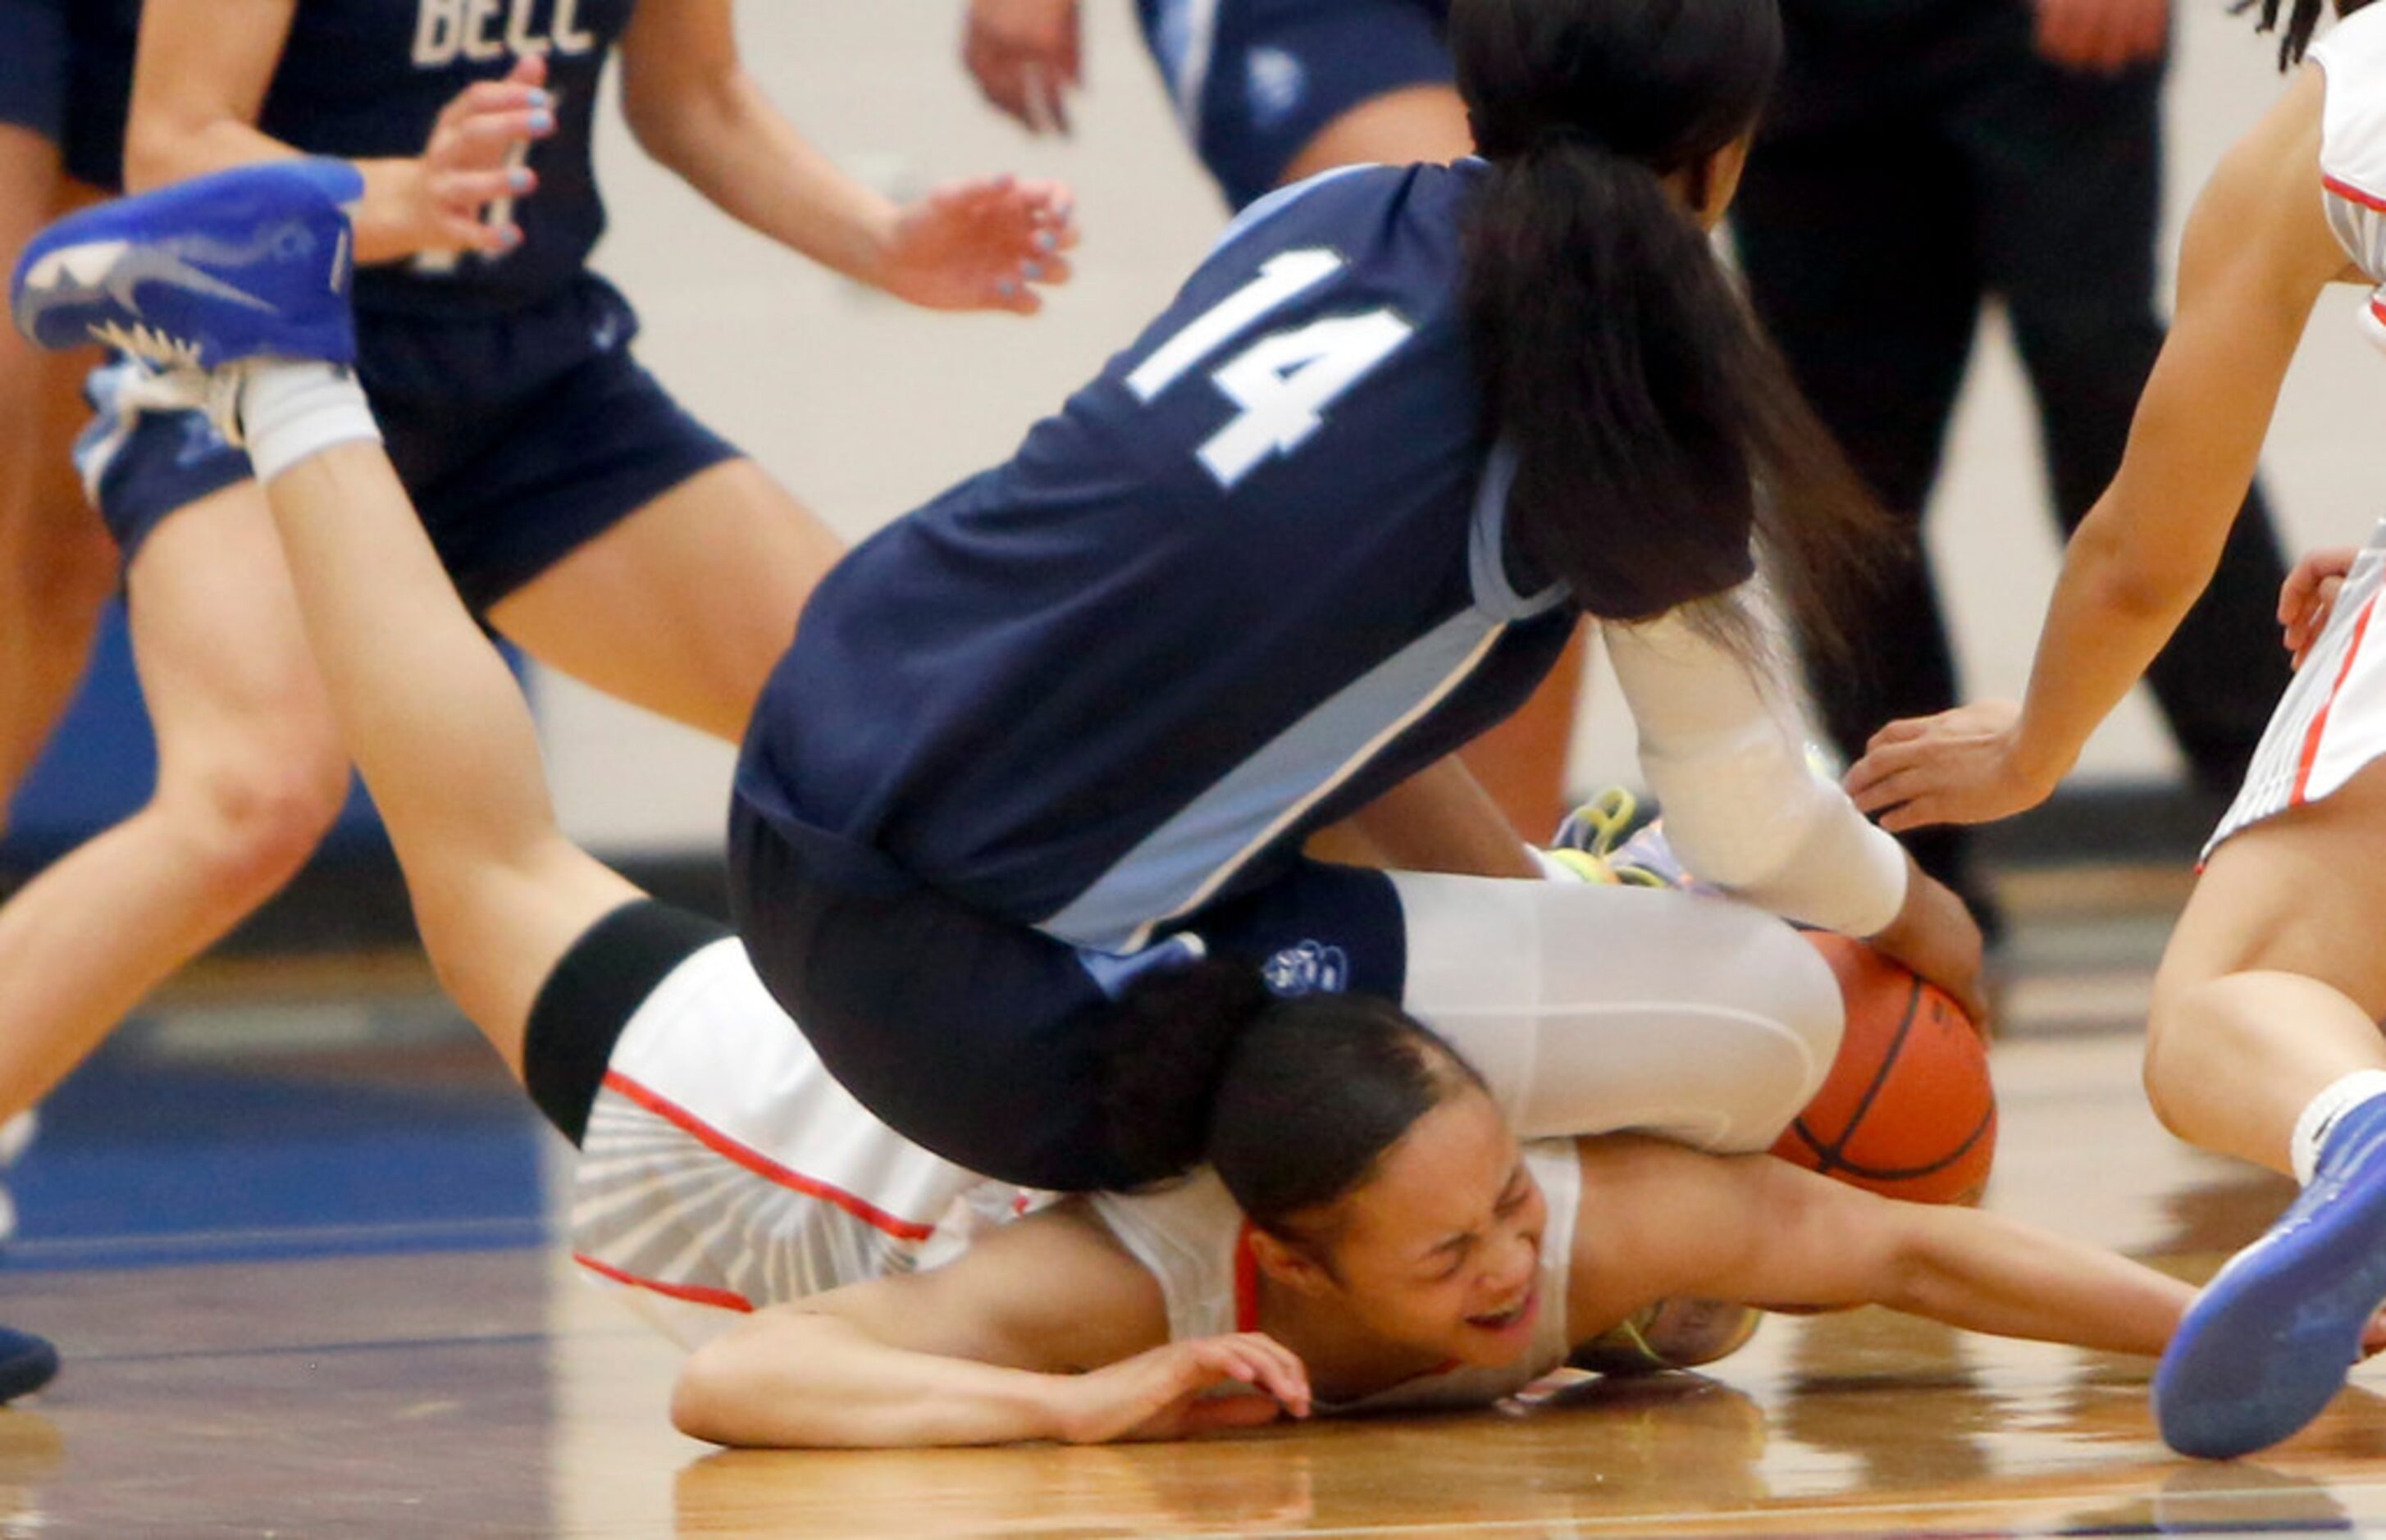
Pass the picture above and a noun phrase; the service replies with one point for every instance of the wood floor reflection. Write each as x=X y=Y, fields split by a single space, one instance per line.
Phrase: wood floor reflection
x=454 y=1391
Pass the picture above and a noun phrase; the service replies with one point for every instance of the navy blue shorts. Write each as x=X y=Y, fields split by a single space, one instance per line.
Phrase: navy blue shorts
x=66 y=72
x=520 y=439
x=1255 y=81
x=973 y=1036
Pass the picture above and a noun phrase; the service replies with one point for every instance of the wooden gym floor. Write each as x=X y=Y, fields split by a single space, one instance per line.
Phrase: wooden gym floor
x=292 y=1247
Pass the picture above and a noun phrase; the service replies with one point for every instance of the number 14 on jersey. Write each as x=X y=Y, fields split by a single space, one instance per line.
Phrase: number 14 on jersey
x=1281 y=382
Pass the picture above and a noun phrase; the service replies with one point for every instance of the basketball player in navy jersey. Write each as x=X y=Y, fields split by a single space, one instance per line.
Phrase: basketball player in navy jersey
x=1331 y=517
x=1271 y=93
x=582 y=512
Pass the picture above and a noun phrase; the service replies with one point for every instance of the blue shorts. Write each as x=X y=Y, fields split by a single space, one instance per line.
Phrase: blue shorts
x=973 y=1036
x=520 y=439
x=70 y=81
x=1255 y=81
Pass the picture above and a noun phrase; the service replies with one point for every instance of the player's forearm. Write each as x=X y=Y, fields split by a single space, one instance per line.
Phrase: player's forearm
x=1986 y=1273
x=787 y=1379
x=1442 y=819
x=1721 y=749
x=727 y=141
x=2117 y=601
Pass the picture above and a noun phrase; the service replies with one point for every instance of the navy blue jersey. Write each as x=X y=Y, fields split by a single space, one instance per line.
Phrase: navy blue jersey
x=367 y=78
x=1245 y=581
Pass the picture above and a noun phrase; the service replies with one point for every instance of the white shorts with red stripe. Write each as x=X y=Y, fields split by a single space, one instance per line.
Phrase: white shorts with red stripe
x=2332 y=720
x=724 y=1170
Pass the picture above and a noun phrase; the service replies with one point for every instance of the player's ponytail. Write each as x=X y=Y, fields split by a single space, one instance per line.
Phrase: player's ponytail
x=1161 y=1055
x=1661 y=444
x=1293 y=1101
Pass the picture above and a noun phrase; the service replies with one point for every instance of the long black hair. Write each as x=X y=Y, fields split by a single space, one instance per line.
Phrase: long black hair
x=1660 y=442
x=1294 y=1102
x=2301 y=21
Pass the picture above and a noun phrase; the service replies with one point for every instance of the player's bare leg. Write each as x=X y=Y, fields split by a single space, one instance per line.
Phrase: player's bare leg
x=440 y=727
x=2265 y=1044
x=441 y=731
x=57 y=567
x=250 y=774
x=2273 y=985
x=684 y=606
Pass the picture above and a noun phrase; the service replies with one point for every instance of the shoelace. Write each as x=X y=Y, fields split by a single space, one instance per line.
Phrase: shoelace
x=1587 y=842
x=147 y=388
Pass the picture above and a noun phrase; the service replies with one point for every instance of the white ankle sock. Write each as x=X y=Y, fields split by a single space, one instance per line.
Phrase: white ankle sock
x=293 y=411
x=2312 y=1127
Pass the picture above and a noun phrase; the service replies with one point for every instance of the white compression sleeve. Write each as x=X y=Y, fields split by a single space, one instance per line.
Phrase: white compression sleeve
x=292 y=411
x=1724 y=755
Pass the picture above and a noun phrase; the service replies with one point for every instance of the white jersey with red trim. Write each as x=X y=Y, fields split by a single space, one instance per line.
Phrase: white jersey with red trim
x=724 y=1169
x=1195 y=1242
x=2329 y=724
x=2353 y=148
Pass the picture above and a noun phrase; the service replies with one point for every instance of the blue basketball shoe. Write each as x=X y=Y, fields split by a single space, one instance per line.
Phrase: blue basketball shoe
x=241 y=264
x=2265 y=1345
x=27 y=1363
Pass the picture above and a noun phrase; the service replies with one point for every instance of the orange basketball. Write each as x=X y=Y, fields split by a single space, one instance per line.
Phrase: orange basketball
x=1907 y=1110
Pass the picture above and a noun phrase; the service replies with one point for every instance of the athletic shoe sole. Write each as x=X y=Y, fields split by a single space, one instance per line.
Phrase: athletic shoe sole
x=2267 y=1345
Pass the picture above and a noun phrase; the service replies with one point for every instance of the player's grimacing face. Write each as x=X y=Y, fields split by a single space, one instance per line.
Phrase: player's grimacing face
x=1441 y=1250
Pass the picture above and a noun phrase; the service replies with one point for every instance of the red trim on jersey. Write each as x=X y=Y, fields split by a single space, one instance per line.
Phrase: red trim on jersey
x=2351 y=193
x=695 y=1294
x=762 y=1164
x=2319 y=718
x=1247 y=1282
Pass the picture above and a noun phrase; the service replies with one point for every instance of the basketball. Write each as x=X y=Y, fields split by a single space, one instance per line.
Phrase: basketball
x=1907 y=1110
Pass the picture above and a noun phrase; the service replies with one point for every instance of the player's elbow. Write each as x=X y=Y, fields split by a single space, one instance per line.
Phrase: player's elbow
x=652 y=130
x=1747 y=842
x=2139 y=567
x=672 y=115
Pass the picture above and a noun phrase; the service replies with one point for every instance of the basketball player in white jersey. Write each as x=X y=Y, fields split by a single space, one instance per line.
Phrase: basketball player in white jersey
x=2263 y=1041
x=1370 y=1236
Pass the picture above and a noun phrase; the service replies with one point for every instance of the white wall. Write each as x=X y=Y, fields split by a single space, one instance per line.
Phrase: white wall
x=864 y=407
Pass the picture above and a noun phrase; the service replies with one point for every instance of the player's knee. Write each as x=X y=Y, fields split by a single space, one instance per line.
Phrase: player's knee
x=2186 y=1027
x=253 y=820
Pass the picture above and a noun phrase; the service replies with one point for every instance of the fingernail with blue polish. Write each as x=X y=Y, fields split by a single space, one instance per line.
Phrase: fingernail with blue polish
x=1006 y=288
x=538 y=97
x=540 y=122
x=1031 y=271
x=519 y=180
x=1047 y=241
